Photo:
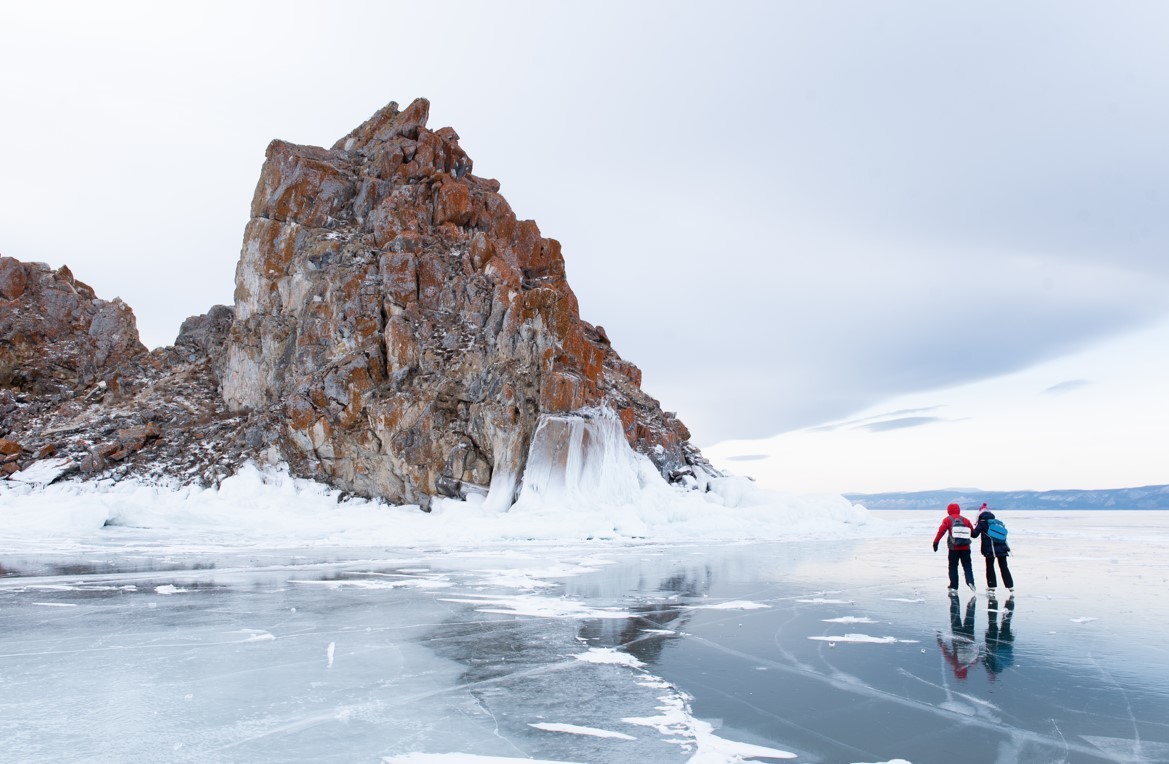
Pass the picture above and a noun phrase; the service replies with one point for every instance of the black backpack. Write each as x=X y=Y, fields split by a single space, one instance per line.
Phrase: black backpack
x=959 y=533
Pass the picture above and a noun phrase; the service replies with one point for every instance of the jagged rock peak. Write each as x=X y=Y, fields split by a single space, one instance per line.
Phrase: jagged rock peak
x=81 y=396
x=57 y=335
x=386 y=124
x=405 y=330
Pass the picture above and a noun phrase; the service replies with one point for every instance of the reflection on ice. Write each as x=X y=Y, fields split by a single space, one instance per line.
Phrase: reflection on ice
x=998 y=644
x=580 y=653
x=960 y=651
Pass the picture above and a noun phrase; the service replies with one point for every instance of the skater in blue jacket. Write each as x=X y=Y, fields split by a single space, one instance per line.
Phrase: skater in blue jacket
x=993 y=549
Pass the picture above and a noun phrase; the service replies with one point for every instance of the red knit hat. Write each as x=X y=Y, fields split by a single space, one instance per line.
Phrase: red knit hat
x=953 y=509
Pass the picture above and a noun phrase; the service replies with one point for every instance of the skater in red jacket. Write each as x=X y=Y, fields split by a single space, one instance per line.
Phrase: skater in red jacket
x=957 y=530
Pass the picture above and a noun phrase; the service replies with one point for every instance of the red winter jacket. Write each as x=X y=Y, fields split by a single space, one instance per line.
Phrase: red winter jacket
x=945 y=528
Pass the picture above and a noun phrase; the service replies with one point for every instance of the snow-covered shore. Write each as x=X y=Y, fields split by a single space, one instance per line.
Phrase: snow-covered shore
x=269 y=507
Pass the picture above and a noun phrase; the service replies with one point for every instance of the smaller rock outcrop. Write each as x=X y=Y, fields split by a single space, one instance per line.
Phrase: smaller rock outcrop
x=78 y=386
x=56 y=335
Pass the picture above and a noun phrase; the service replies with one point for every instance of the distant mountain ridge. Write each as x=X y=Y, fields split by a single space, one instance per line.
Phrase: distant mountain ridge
x=1143 y=497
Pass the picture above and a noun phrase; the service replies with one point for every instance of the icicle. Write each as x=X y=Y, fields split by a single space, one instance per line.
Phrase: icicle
x=580 y=460
x=502 y=490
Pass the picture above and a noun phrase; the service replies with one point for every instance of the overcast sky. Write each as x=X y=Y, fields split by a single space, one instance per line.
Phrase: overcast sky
x=796 y=218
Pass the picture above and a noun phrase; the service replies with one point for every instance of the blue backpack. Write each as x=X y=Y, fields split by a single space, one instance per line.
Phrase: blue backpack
x=996 y=530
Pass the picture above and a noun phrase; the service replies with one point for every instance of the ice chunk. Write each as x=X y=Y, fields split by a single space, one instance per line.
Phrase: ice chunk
x=608 y=655
x=254 y=635
x=863 y=638
x=677 y=723
x=733 y=605
x=574 y=729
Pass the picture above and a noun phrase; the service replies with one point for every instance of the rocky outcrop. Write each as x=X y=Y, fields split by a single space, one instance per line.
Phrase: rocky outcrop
x=56 y=335
x=79 y=388
x=403 y=332
x=397 y=332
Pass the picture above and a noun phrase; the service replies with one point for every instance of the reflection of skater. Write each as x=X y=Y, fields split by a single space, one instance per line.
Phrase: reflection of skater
x=993 y=549
x=961 y=653
x=957 y=530
x=999 y=649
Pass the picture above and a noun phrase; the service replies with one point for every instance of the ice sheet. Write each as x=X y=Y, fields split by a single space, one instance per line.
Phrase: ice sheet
x=148 y=644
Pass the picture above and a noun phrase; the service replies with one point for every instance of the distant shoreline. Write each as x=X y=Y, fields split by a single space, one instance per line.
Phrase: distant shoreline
x=1022 y=509
x=1151 y=497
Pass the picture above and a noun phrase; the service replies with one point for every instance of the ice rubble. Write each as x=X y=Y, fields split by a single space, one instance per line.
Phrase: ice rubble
x=582 y=482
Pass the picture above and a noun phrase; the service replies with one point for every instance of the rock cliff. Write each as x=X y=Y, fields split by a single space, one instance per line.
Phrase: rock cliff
x=397 y=332
x=406 y=329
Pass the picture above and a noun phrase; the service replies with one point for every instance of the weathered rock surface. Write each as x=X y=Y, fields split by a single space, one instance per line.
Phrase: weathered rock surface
x=405 y=329
x=55 y=333
x=80 y=388
x=397 y=332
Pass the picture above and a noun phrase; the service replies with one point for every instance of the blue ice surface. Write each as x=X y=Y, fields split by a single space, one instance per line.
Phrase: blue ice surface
x=837 y=651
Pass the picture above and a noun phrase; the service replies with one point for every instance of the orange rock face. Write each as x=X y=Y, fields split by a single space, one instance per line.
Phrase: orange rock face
x=55 y=334
x=402 y=325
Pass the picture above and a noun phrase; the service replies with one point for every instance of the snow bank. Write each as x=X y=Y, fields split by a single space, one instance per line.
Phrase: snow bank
x=583 y=482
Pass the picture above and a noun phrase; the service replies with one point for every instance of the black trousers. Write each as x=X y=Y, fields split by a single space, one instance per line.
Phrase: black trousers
x=991 y=581
x=963 y=556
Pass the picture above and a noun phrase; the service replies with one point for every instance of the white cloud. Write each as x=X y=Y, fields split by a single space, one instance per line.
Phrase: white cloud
x=786 y=216
x=999 y=434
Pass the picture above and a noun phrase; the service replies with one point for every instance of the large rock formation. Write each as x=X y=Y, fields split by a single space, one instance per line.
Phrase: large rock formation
x=397 y=332
x=406 y=330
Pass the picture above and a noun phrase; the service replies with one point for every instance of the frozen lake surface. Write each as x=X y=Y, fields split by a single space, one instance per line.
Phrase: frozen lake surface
x=828 y=651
